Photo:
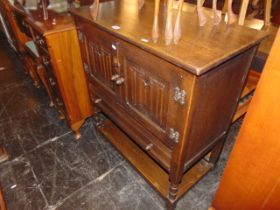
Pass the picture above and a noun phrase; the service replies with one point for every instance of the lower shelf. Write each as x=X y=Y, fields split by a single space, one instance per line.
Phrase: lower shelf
x=251 y=85
x=147 y=167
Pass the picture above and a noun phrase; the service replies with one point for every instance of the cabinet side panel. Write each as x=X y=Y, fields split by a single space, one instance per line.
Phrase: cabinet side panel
x=215 y=100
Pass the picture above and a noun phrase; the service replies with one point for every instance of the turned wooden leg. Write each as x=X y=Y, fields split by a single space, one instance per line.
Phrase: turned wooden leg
x=232 y=18
x=171 y=202
x=216 y=152
x=170 y=205
x=177 y=28
x=224 y=10
x=94 y=8
x=242 y=12
x=168 y=26
x=155 y=32
x=202 y=19
x=267 y=14
x=216 y=16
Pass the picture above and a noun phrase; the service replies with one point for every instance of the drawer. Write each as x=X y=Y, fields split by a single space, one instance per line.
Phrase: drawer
x=147 y=141
x=53 y=83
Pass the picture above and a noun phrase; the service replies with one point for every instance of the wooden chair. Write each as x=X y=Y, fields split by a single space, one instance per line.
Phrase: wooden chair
x=244 y=8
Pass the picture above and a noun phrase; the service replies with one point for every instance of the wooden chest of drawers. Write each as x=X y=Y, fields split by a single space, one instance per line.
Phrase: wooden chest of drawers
x=62 y=73
x=169 y=105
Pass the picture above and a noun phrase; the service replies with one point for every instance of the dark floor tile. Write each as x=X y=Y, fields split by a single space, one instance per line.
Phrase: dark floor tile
x=9 y=79
x=65 y=165
x=116 y=190
x=49 y=169
x=8 y=140
x=21 y=189
x=19 y=99
x=202 y=194
x=28 y=130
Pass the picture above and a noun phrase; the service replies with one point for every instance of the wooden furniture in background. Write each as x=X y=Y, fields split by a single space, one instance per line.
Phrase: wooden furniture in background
x=15 y=23
x=252 y=176
x=5 y=27
x=2 y=201
x=3 y=157
x=51 y=53
x=168 y=106
x=59 y=50
x=276 y=14
x=18 y=37
x=244 y=8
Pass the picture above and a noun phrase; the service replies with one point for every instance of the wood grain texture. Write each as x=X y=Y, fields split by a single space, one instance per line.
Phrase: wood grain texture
x=209 y=46
x=2 y=201
x=171 y=114
x=169 y=24
x=94 y=9
x=68 y=69
x=251 y=178
x=155 y=31
x=60 y=67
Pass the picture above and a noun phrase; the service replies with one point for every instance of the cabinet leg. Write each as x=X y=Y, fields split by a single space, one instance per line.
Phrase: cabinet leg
x=216 y=152
x=170 y=205
x=173 y=189
x=51 y=103
x=61 y=116
x=171 y=202
x=77 y=135
x=76 y=128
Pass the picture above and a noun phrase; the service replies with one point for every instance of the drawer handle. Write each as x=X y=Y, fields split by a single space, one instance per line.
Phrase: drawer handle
x=115 y=77
x=97 y=101
x=119 y=81
x=149 y=147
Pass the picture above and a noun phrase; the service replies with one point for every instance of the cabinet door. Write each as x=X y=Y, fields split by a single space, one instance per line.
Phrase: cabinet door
x=149 y=90
x=100 y=56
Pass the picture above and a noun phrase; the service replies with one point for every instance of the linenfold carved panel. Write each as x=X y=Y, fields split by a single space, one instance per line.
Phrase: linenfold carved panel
x=146 y=94
x=101 y=63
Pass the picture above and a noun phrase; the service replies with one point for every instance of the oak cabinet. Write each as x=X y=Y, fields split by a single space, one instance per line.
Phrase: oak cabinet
x=168 y=106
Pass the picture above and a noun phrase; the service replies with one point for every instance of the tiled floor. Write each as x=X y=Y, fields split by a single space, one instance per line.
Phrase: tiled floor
x=49 y=169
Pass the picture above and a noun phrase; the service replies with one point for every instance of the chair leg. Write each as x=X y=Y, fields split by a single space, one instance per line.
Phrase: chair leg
x=267 y=14
x=242 y=12
x=224 y=10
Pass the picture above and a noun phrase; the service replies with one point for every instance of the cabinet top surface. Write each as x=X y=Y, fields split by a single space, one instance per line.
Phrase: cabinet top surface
x=56 y=21
x=200 y=48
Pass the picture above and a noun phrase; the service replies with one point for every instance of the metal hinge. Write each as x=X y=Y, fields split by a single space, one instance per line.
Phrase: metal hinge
x=174 y=135
x=179 y=95
x=81 y=36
